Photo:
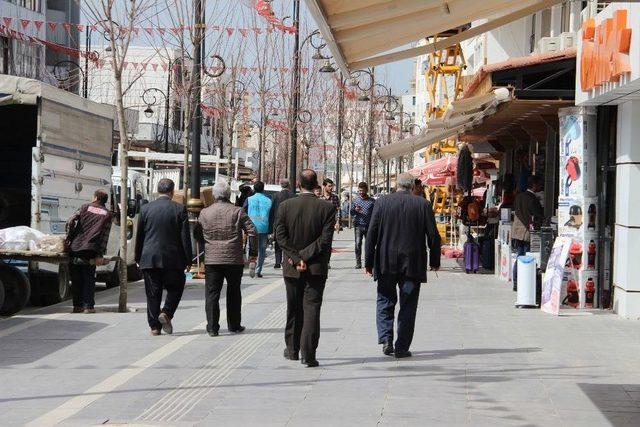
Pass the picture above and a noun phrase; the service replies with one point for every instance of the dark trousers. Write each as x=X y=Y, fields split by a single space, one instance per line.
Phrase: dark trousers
x=83 y=284
x=155 y=280
x=215 y=275
x=386 y=304
x=304 y=299
x=278 y=253
x=360 y=233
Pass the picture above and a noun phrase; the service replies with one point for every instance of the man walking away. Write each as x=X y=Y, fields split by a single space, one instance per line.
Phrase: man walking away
x=304 y=231
x=258 y=207
x=163 y=252
x=278 y=198
x=88 y=235
x=528 y=211
x=361 y=209
x=220 y=228
x=396 y=256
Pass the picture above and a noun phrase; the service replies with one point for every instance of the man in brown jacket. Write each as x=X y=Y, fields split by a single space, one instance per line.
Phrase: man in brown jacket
x=87 y=238
x=220 y=228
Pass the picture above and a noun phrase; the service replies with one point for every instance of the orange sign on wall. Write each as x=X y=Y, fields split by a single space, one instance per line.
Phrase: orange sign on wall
x=605 y=49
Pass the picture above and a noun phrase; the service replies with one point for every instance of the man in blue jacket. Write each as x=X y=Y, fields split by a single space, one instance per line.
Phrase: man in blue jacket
x=258 y=207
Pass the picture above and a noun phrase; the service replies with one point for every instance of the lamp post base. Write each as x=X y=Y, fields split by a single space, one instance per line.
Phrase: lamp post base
x=195 y=206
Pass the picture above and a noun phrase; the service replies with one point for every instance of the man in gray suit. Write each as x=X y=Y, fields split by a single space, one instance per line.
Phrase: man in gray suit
x=163 y=252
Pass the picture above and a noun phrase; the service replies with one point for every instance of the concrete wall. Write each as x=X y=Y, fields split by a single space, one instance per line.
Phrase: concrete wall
x=626 y=272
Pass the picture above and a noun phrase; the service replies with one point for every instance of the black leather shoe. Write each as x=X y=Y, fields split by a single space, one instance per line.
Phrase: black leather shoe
x=311 y=363
x=239 y=330
x=387 y=348
x=402 y=354
x=277 y=266
x=290 y=356
x=213 y=333
x=358 y=267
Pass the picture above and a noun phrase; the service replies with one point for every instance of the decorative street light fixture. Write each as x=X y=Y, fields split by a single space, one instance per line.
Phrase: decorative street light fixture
x=67 y=73
x=318 y=44
x=150 y=97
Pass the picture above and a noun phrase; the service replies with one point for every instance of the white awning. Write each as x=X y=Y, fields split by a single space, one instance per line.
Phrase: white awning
x=364 y=33
x=460 y=116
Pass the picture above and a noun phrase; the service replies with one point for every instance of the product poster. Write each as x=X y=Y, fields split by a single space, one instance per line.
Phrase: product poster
x=552 y=283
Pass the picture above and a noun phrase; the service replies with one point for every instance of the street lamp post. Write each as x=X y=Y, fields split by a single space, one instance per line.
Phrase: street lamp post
x=237 y=88
x=150 y=99
x=295 y=101
x=194 y=204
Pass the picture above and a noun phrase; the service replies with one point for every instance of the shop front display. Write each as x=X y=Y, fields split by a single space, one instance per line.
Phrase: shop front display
x=608 y=79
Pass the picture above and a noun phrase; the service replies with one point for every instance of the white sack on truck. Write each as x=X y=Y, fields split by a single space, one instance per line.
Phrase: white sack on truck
x=21 y=238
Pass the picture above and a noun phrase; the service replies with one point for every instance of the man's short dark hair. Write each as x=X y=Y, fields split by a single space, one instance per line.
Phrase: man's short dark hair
x=534 y=180
x=258 y=186
x=284 y=183
x=363 y=185
x=101 y=196
x=166 y=186
x=327 y=181
x=308 y=179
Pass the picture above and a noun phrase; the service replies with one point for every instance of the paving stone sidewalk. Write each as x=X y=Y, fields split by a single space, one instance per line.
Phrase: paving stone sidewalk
x=477 y=361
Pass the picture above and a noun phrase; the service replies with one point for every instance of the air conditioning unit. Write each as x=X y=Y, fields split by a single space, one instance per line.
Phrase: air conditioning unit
x=548 y=44
x=567 y=40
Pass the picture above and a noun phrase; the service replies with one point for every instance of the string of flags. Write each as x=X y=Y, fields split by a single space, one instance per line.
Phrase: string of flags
x=24 y=24
x=69 y=51
x=214 y=70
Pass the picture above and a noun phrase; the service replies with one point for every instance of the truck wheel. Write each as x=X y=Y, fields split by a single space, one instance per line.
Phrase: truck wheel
x=49 y=288
x=16 y=290
x=133 y=273
x=1 y=293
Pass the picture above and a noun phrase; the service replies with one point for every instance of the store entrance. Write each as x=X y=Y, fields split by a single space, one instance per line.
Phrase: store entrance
x=606 y=214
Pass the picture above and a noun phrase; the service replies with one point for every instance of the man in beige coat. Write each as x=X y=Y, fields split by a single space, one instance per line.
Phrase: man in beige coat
x=220 y=227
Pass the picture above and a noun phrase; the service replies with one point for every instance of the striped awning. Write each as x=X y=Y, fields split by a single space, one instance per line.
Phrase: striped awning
x=365 y=33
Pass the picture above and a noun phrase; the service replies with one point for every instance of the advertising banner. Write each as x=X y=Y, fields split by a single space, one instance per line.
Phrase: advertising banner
x=554 y=276
x=577 y=204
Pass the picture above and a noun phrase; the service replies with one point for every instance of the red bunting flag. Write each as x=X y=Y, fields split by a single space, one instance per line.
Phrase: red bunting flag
x=257 y=30
x=7 y=21
x=93 y=27
x=80 y=27
x=162 y=30
x=25 y=23
x=66 y=26
x=149 y=30
x=243 y=31
x=154 y=66
x=135 y=30
x=175 y=30
x=52 y=25
x=38 y=24
x=229 y=30
x=165 y=67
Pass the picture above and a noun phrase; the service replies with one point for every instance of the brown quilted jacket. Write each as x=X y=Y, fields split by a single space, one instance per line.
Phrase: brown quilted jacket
x=220 y=227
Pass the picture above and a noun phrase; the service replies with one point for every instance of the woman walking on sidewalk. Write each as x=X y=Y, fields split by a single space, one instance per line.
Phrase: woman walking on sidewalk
x=220 y=228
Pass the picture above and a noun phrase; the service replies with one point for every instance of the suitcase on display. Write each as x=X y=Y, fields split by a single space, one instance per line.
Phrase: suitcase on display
x=471 y=257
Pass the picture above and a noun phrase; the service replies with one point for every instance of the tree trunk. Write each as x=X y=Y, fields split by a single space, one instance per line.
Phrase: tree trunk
x=123 y=161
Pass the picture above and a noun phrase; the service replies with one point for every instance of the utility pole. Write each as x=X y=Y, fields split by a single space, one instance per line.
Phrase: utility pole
x=293 y=155
x=339 y=145
x=87 y=47
x=194 y=204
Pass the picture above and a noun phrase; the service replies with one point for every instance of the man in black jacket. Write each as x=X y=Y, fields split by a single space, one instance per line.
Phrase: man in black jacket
x=87 y=238
x=163 y=252
x=283 y=195
x=304 y=231
x=396 y=256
